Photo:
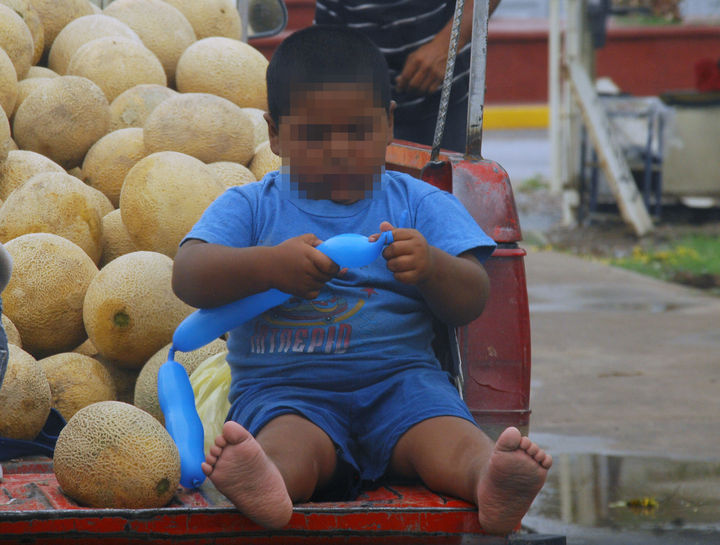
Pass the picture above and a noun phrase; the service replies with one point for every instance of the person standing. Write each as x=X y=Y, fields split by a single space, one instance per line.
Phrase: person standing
x=414 y=36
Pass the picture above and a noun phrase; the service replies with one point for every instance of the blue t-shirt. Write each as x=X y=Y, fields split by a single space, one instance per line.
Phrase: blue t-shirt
x=363 y=325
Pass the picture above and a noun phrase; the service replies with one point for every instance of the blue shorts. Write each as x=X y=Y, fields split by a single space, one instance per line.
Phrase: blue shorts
x=364 y=424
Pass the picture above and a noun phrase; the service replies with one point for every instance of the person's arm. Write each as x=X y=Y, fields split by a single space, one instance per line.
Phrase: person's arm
x=207 y=275
x=454 y=287
x=424 y=68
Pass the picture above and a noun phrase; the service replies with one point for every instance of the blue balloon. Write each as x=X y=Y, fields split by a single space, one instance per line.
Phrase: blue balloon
x=175 y=394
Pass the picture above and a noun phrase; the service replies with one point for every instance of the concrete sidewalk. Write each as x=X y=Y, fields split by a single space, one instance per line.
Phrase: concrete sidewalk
x=622 y=363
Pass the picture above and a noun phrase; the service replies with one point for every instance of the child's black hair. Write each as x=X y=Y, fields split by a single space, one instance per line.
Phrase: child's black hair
x=324 y=54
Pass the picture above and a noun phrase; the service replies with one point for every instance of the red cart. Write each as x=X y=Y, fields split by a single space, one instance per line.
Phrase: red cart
x=490 y=356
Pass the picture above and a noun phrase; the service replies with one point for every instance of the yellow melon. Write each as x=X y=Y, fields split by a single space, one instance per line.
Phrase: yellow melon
x=87 y=348
x=41 y=72
x=12 y=333
x=112 y=454
x=24 y=396
x=110 y=159
x=225 y=67
x=264 y=161
x=232 y=174
x=53 y=203
x=76 y=381
x=32 y=19
x=55 y=14
x=205 y=126
x=146 y=394
x=162 y=28
x=116 y=64
x=163 y=196
x=20 y=166
x=131 y=108
x=211 y=17
x=116 y=239
x=124 y=379
x=24 y=88
x=96 y=9
x=62 y=119
x=81 y=31
x=130 y=310
x=8 y=84
x=5 y=140
x=44 y=298
x=259 y=124
x=16 y=40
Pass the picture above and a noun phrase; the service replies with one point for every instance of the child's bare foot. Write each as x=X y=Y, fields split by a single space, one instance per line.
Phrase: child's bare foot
x=239 y=468
x=515 y=474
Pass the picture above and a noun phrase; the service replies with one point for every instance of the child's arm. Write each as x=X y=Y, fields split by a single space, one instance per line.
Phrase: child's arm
x=208 y=275
x=455 y=288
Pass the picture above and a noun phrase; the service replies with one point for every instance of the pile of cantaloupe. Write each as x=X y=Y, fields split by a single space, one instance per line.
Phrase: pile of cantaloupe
x=118 y=127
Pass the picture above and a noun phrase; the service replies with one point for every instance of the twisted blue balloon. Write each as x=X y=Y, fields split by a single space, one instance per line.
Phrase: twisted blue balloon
x=203 y=326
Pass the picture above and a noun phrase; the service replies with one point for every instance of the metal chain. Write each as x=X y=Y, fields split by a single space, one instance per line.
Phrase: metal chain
x=447 y=81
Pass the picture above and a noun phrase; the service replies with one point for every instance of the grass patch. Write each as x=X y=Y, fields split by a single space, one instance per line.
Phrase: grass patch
x=693 y=260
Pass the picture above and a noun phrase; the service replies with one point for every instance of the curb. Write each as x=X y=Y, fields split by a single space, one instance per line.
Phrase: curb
x=516 y=116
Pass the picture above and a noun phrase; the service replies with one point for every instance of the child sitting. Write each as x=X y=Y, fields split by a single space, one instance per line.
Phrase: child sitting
x=340 y=385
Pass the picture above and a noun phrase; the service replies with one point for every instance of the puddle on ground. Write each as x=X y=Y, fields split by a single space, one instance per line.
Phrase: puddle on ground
x=657 y=500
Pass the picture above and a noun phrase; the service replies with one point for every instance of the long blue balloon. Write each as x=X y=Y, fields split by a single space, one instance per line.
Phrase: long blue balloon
x=175 y=394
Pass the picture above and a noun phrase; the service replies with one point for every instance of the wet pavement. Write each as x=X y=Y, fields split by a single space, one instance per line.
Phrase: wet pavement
x=625 y=389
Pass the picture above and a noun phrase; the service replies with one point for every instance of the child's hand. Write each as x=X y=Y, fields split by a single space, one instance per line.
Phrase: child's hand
x=409 y=257
x=300 y=269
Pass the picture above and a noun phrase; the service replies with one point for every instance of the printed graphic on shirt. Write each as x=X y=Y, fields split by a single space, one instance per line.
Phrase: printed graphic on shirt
x=300 y=325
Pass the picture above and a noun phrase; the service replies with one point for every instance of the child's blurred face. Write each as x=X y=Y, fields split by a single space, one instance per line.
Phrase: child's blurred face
x=333 y=141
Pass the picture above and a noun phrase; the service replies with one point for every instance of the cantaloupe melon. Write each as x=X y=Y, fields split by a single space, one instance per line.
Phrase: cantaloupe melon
x=96 y=9
x=76 y=381
x=20 y=166
x=259 y=124
x=112 y=454
x=5 y=139
x=205 y=126
x=55 y=14
x=163 y=29
x=224 y=67
x=130 y=310
x=124 y=378
x=24 y=88
x=62 y=119
x=264 y=161
x=163 y=196
x=146 y=394
x=53 y=203
x=81 y=31
x=41 y=72
x=44 y=298
x=8 y=84
x=116 y=64
x=12 y=333
x=87 y=348
x=32 y=19
x=131 y=108
x=211 y=17
x=232 y=174
x=116 y=239
x=110 y=159
x=16 y=40
x=24 y=396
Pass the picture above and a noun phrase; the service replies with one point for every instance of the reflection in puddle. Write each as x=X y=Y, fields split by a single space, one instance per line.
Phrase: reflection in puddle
x=631 y=493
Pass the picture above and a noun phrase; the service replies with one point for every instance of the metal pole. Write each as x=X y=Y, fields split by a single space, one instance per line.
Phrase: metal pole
x=554 y=96
x=476 y=97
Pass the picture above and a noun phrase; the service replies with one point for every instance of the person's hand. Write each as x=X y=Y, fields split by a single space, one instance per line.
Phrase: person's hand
x=300 y=269
x=409 y=257
x=424 y=69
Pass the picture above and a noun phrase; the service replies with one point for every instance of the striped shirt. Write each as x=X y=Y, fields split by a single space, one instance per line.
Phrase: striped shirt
x=399 y=27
